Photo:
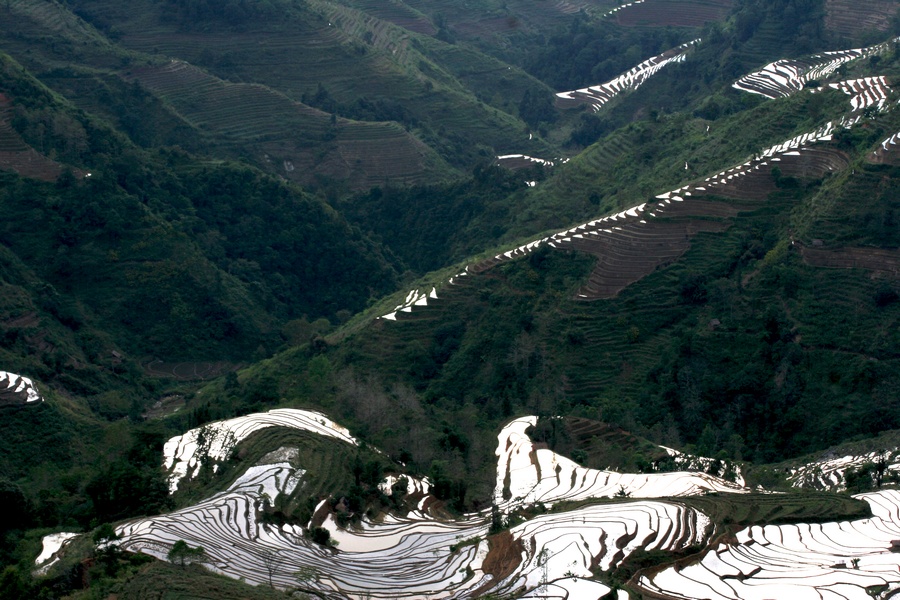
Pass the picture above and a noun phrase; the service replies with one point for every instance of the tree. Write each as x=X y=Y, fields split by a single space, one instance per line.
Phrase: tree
x=183 y=554
x=320 y=535
x=105 y=535
x=860 y=479
x=17 y=512
x=108 y=553
x=272 y=561
x=306 y=577
x=125 y=489
x=14 y=585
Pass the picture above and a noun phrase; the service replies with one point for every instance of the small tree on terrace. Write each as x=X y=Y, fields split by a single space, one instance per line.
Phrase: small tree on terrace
x=107 y=552
x=183 y=554
x=272 y=561
x=306 y=578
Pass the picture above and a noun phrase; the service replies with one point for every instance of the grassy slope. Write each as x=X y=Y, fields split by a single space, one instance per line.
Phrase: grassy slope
x=650 y=135
x=356 y=56
x=167 y=110
x=160 y=580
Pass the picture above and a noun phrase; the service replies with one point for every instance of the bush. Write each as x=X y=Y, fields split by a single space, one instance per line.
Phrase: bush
x=320 y=535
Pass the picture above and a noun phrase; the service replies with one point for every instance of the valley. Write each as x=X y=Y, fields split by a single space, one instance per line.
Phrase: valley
x=415 y=299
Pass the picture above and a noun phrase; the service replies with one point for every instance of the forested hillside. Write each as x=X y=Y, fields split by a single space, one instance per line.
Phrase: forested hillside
x=536 y=257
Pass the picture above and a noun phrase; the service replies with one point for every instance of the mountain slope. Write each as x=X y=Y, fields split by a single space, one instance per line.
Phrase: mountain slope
x=700 y=274
x=356 y=56
x=288 y=133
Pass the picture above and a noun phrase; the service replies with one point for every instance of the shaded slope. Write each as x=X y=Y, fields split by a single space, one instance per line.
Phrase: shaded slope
x=302 y=142
x=354 y=55
x=670 y=344
x=206 y=254
x=348 y=152
x=674 y=13
x=17 y=156
x=849 y=18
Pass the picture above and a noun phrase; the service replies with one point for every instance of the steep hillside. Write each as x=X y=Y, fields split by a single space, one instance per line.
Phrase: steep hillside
x=659 y=13
x=849 y=19
x=360 y=60
x=200 y=112
x=506 y=335
x=16 y=155
x=148 y=234
x=415 y=298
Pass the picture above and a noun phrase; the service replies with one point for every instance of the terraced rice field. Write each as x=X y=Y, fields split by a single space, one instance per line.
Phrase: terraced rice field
x=527 y=474
x=551 y=555
x=674 y=13
x=18 y=156
x=398 y=13
x=633 y=243
x=849 y=17
x=411 y=556
x=836 y=561
x=183 y=454
x=51 y=545
x=879 y=260
x=828 y=474
x=623 y=7
x=34 y=17
x=415 y=555
x=514 y=162
x=865 y=93
x=363 y=57
x=598 y=95
x=413 y=298
x=887 y=152
x=785 y=77
x=682 y=212
x=298 y=135
x=16 y=389
x=382 y=34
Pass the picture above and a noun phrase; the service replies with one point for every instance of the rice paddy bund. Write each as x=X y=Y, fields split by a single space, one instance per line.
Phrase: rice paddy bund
x=564 y=526
x=543 y=525
x=846 y=560
x=16 y=389
x=417 y=554
x=634 y=242
x=597 y=96
x=785 y=77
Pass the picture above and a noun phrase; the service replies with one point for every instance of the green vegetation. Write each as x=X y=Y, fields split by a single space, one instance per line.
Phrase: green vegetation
x=248 y=184
x=589 y=52
x=211 y=255
x=736 y=511
x=192 y=582
x=597 y=445
x=182 y=554
x=429 y=227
